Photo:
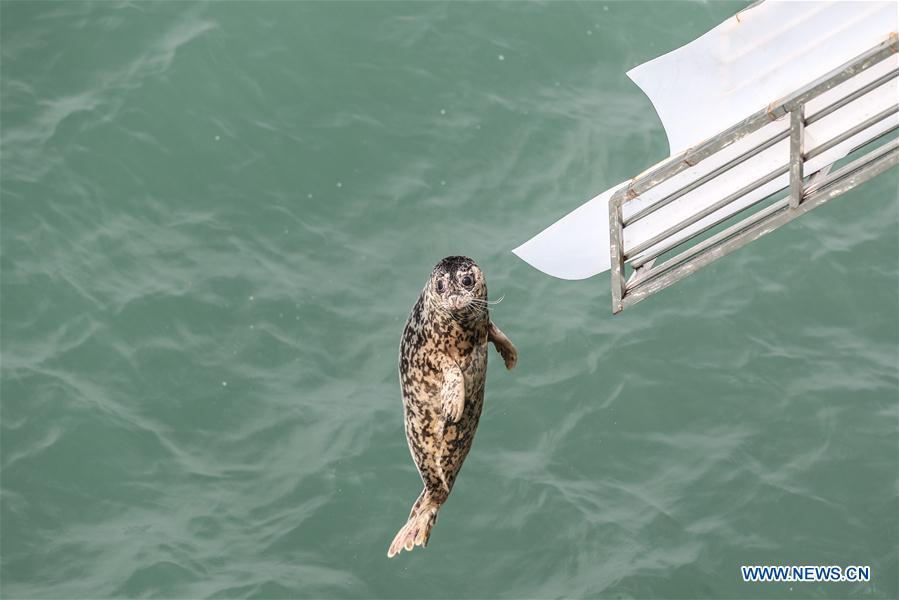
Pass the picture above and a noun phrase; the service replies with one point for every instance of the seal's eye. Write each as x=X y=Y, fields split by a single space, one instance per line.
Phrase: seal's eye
x=440 y=286
x=467 y=281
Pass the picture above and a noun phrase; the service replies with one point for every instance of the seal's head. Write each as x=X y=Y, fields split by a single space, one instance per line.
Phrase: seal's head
x=457 y=286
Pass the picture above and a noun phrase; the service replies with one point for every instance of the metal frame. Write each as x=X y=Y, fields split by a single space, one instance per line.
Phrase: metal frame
x=648 y=278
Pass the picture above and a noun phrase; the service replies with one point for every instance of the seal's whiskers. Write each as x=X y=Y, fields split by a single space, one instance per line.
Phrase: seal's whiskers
x=491 y=302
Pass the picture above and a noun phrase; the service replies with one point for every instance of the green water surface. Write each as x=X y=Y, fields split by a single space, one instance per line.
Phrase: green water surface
x=215 y=220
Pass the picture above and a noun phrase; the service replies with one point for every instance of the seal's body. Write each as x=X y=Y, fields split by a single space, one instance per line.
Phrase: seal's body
x=443 y=366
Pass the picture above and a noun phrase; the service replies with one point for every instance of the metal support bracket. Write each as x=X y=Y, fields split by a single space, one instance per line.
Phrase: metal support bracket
x=616 y=240
x=797 y=139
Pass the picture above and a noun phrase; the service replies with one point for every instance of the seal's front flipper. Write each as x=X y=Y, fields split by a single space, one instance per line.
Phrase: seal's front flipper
x=503 y=345
x=453 y=392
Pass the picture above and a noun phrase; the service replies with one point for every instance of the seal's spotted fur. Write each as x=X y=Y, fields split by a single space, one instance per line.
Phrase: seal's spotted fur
x=443 y=365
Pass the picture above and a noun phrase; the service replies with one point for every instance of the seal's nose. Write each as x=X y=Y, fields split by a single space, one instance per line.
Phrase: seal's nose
x=458 y=302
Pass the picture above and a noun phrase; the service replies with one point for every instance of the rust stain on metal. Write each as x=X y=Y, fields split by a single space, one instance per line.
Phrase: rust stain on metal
x=687 y=162
x=631 y=193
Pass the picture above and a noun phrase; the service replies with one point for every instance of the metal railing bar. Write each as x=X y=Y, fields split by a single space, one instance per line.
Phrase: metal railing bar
x=638 y=273
x=886 y=161
x=850 y=168
x=762 y=227
x=704 y=213
x=707 y=177
x=709 y=242
x=883 y=133
x=851 y=97
x=820 y=149
x=643 y=260
x=692 y=156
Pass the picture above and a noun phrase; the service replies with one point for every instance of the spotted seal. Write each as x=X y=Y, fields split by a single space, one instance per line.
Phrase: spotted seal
x=443 y=366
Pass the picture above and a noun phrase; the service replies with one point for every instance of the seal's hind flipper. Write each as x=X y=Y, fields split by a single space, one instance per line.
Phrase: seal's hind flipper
x=503 y=345
x=416 y=531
